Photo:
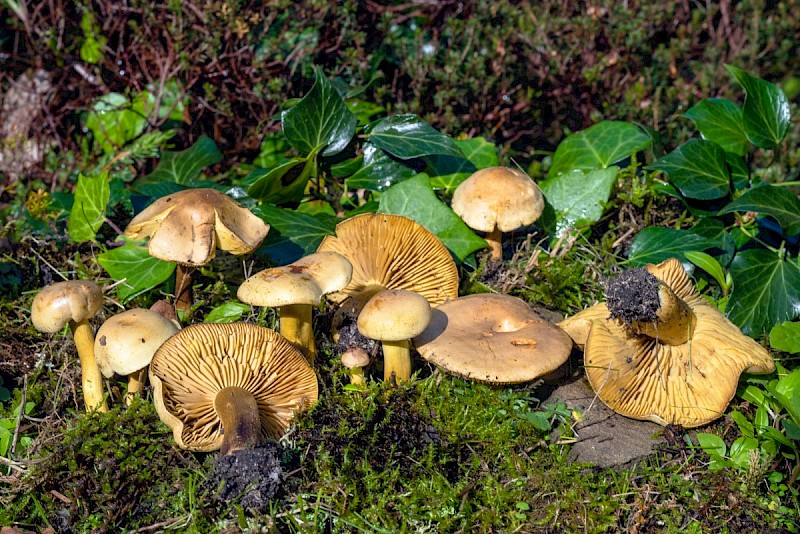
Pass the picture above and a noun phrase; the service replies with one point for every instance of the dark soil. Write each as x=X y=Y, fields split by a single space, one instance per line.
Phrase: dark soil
x=633 y=296
x=250 y=477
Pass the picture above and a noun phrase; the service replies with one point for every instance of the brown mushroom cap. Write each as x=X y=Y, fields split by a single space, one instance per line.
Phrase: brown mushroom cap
x=393 y=252
x=201 y=360
x=355 y=357
x=498 y=197
x=126 y=342
x=58 y=304
x=188 y=226
x=492 y=338
x=689 y=384
x=394 y=315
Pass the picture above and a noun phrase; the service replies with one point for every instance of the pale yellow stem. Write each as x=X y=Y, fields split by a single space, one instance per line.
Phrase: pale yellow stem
x=91 y=379
x=675 y=320
x=136 y=381
x=397 y=360
x=296 y=326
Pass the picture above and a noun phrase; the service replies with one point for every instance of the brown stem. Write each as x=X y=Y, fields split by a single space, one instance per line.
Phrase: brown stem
x=91 y=379
x=495 y=240
x=183 y=288
x=238 y=410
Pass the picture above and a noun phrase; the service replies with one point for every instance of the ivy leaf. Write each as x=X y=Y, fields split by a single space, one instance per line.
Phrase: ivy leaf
x=765 y=114
x=89 y=209
x=598 y=147
x=135 y=265
x=293 y=234
x=228 y=312
x=766 y=291
x=785 y=337
x=655 y=244
x=480 y=152
x=320 y=119
x=697 y=168
x=415 y=199
x=113 y=122
x=184 y=166
x=378 y=171
x=284 y=183
x=578 y=197
x=408 y=136
x=447 y=172
x=775 y=202
x=720 y=120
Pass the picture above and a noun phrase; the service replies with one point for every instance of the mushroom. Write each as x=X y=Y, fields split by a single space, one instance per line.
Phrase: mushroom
x=229 y=386
x=126 y=342
x=295 y=289
x=187 y=227
x=394 y=316
x=491 y=338
x=658 y=351
x=496 y=200
x=74 y=302
x=355 y=359
x=392 y=252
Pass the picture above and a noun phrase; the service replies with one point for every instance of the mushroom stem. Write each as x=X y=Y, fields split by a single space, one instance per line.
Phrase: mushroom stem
x=675 y=320
x=136 y=382
x=238 y=410
x=357 y=377
x=495 y=240
x=397 y=360
x=183 y=288
x=296 y=326
x=91 y=379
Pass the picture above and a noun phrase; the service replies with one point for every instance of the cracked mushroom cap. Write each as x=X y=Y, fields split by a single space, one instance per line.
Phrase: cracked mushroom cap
x=195 y=364
x=492 y=338
x=498 y=197
x=689 y=384
x=187 y=227
x=126 y=342
x=302 y=282
x=58 y=304
x=393 y=252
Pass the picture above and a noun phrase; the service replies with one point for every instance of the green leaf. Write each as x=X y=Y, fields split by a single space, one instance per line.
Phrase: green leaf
x=408 y=136
x=447 y=172
x=139 y=270
x=598 y=147
x=765 y=114
x=320 y=119
x=787 y=390
x=697 y=168
x=293 y=234
x=284 y=183
x=378 y=171
x=708 y=263
x=766 y=291
x=89 y=209
x=480 y=152
x=776 y=202
x=740 y=174
x=740 y=451
x=228 y=312
x=720 y=120
x=579 y=197
x=714 y=447
x=655 y=244
x=184 y=166
x=415 y=198
x=785 y=337
x=113 y=122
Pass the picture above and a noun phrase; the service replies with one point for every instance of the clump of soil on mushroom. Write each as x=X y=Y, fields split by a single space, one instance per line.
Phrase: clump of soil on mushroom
x=632 y=296
x=249 y=477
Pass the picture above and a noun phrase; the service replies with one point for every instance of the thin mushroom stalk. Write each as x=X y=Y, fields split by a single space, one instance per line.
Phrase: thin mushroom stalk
x=183 y=288
x=91 y=379
x=495 y=241
x=238 y=410
x=136 y=382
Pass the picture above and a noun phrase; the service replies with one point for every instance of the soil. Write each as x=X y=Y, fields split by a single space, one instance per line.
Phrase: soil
x=249 y=477
x=633 y=296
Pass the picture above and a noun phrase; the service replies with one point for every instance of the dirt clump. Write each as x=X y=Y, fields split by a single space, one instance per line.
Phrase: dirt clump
x=632 y=296
x=250 y=477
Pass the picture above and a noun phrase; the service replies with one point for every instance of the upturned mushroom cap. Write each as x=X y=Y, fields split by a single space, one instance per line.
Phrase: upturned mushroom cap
x=188 y=226
x=394 y=315
x=302 y=282
x=393 y=252
x=689 y=384
x=58 y=304
x=126 y=342
x=198 y=362
x=498 y=197
x=492 y=338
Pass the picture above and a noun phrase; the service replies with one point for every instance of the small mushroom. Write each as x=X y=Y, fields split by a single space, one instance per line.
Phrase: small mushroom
x=74 y=302
x=229 y=386
x=394 y=316
x=495 y=339
x=355 y=359
x=126 y=342
x=295 y=289
x=496 y=200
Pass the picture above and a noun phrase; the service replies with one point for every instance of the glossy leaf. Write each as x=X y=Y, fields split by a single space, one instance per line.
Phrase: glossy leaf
x=709 y=264
x=415 y=198
x=720 y=120
x=786 y=337
x=766 y=291
x=228 y=312
x=655 y=244
x=113 y=122
x=320 y=119
x=715 y=448
x=293 y=234
x=697 y=168
x=578 y=197
x=740 y=174
x=447 y=172
x=139 y=270
x=767 y=200
x=284 y=183
x=89 y=208
x=787 y=390
x=765 y=113
x=379 y=171
x=408 y=136
x=598 y=147
x=184 y=166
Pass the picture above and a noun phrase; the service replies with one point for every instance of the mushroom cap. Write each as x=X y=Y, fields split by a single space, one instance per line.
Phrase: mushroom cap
x=58 y=304
x=355 y=357
x=393 y=252
x=192 y=366
x=126 y=342
x=498 y=197
x=187 y=227
x=689 y=384
x=394 y=315
x=492 y=338
x=302 y=282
